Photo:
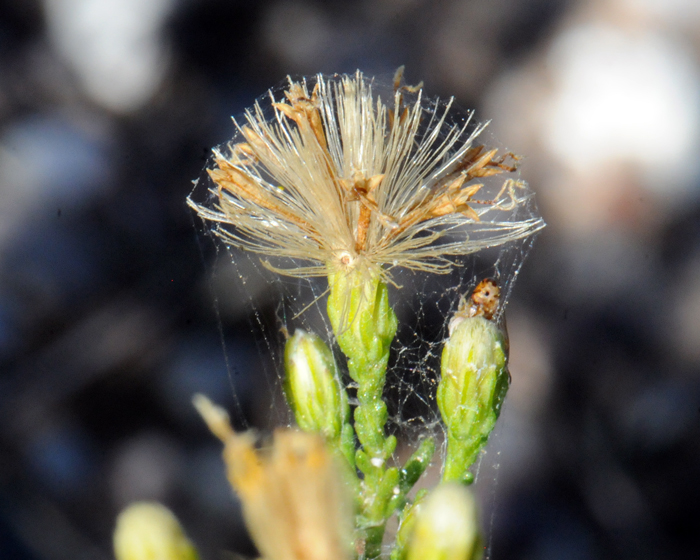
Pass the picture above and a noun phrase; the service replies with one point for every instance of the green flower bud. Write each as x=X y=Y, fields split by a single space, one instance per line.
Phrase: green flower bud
x=148 y=530
x=312 y=386
x=474 y=383
x=445 y=526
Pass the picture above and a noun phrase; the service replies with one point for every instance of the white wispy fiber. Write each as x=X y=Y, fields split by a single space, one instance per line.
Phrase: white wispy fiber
x=329 y=177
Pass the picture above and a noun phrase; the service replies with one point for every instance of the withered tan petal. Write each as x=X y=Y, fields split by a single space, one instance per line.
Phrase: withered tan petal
x=294 y=502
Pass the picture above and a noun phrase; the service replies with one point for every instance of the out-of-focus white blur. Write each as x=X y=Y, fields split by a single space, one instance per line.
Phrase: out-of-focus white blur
x=611 y=106
x=115 y=47
x=631 y=96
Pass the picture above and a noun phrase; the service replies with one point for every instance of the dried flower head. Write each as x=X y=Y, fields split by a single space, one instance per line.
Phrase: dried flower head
x=336 y=177
x=294 y=501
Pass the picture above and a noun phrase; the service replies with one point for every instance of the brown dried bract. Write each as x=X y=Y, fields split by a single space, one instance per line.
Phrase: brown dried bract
x=484 y=300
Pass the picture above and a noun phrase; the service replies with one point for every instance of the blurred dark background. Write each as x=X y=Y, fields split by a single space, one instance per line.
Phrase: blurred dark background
x=108 y=109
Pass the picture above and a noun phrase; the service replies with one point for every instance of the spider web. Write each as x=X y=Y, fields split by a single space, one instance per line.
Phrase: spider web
x=424 y=303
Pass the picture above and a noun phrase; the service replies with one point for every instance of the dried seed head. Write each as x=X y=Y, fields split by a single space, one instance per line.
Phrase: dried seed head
x=333 y=175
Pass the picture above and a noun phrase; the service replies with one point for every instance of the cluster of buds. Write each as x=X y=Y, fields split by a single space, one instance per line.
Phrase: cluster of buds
x=440 y=525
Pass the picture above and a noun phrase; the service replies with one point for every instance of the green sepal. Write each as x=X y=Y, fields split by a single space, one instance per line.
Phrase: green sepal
x=347 y=444
x=363 y=462
x=388 y=488
x=389 y=446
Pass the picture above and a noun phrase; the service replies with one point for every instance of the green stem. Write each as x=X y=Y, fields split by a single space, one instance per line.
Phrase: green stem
x=376 y=449
x=365 y=325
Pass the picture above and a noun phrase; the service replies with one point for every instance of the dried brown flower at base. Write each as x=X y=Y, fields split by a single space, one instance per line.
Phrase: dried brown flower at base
x=294 y=501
